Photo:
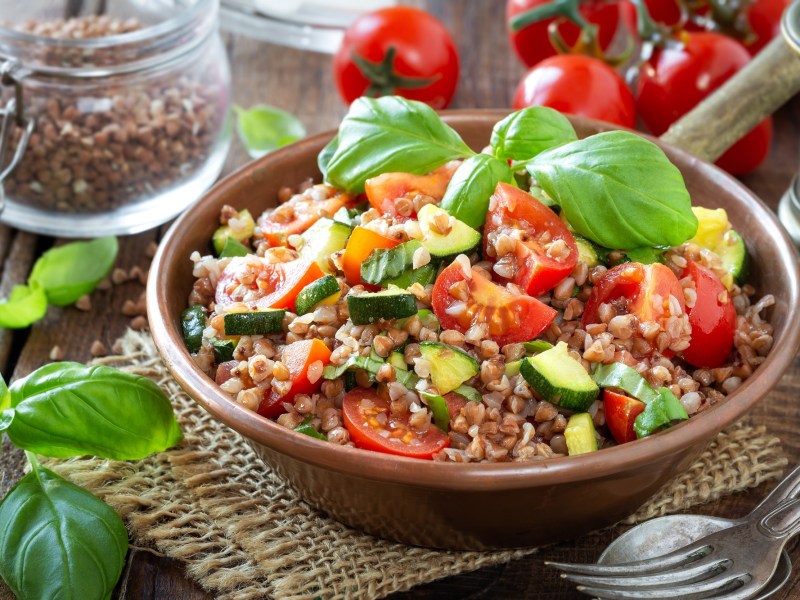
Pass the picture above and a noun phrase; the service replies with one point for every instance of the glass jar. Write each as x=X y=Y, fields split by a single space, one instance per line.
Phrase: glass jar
x=116 y=125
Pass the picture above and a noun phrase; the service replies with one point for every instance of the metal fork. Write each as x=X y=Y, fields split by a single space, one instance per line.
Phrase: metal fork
x=735 y=562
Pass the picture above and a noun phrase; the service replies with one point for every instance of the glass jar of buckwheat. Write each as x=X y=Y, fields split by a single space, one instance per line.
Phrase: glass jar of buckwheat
x=113 y=115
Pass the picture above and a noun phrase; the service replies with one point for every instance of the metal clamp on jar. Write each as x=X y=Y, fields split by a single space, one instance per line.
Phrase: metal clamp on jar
x=789 y=207
x=114 y=123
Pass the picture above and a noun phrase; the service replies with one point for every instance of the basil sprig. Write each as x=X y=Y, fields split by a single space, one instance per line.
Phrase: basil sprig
x=473 y=183
x=59 y=541
x=26 y=305
x=527 y=132
x=386 y=134
x=617 y=189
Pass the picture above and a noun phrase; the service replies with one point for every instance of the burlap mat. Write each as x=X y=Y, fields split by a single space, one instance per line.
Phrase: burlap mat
x=243 y=533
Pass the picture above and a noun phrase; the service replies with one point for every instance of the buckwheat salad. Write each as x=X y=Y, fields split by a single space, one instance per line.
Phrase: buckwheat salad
x=548 y=296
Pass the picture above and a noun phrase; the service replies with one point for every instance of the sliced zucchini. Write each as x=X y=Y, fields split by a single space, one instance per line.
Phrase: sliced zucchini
x=425 y=275
x=316 y=292
x=398 y=361
x=322 y=239
x=193 y=321
x=393 y=303
x=714 y=233
x=450 y=367
x=383 y=264
x=625 y=378
x=659 y=414
x=560 y=379
x=580 y=435
x=239 y=234
x=733 y=254
x=223 y=350
x=257 y=322
x=536 y=346
x=233 y=248
x=460 y=239
x=587 y=252
x=513 y=367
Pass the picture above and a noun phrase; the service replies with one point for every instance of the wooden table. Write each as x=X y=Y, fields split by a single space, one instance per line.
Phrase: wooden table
x=302 y=83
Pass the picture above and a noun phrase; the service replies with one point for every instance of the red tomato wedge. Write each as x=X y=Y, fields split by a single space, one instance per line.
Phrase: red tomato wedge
x=545 y=251
x=298 y=214
x=383 y=190
x=362 y=241
x=621 y=412
x=647 y=289
x=509 y=318
x=372 y=427
x=298 y=357
x=261 y=284
x=713 y=319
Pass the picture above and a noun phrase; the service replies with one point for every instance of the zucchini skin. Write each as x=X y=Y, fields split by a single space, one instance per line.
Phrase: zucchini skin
x=259 y=322
x=193 y=321
x=314 y=293
x=368 y=308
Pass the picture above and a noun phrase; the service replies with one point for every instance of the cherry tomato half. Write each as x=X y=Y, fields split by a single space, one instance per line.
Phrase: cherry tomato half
x=361 y=242
x=382 y=191
x=544 y=251
x=398 y=50
x=620 y=412
x=579 y=85
x=646 y=290
x=297 y=215
x=676 y=79
x=371 y=426
x=261 y=284
x=460 y=302
x=298 y=357
x=532 y=42
x=713 y=319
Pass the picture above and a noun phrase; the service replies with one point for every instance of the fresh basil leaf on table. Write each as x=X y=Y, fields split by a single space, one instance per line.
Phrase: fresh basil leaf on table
x=68 y=272
x=381 y=135
x=59 y=541
x=69 y=409
x=618 y=190
x=25 y=305
x=5 y=395
x=527 y=132
x=263 y=128
x=473 y=183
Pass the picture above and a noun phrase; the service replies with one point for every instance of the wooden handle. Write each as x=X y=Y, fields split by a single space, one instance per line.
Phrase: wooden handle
x=727 y=115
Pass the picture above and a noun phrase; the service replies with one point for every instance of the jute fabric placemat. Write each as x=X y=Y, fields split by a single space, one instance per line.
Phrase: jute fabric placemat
x=243 y=533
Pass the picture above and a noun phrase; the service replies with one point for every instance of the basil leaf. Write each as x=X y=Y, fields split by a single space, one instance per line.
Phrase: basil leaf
x=646 y=256
x=59 y=541
x=69 y=409
x=469 y=393
x=68 y=272
x=617 y=189
x=263 y=129
x=25 y=305
x=383 y=264
x=527 y=132
x=473 y=183
x=307 y=429
x=325 y=155
x=370 y=364
x=619 y=375
x=536 y=346
x=381 y=135
x=438 y=406
x=5 y=395
x=659 y=413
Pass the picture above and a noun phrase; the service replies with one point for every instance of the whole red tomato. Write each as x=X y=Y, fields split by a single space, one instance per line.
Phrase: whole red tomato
x=676 y=79
x=399 y=50
x=532 y=42
x=764 y=17
x=667 y=12
x=580 y=85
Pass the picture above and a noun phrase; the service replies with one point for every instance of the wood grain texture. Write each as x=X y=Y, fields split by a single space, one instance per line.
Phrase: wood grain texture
x=302 y=83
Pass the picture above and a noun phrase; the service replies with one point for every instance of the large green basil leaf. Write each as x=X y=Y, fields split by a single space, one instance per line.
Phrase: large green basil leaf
x=25 y=305
x=69 y=409
x=5 y=395
x=527 y=132
x=68 y=272
x=617 y=189
x=381 y=135
x=325 y=155
x=473 y=183
x=59 y=541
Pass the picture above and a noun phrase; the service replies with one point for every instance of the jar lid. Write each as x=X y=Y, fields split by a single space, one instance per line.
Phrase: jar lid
x=316 y=25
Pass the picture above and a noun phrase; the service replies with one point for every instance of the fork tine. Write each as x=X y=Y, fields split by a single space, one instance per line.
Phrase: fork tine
x=657 y=564
x=700 y=571
x=707 y=589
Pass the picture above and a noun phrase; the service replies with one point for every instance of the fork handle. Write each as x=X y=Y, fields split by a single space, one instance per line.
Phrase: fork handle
x=783 y=521
x=788 y=488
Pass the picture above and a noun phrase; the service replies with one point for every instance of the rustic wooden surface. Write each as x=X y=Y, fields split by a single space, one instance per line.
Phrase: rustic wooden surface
x=302 y=83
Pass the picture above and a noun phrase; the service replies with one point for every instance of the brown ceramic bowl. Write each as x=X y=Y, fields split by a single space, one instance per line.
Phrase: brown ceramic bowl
x=470 y=506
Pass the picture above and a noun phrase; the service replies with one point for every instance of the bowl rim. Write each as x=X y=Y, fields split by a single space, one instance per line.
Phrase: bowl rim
x=471 y=476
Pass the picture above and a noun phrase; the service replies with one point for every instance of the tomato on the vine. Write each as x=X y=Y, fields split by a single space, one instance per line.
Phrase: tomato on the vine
x=713 y=319
x=667 y=12
x=676 y=79
x=580 y=85
x=532 y=43
x=536 y=231
x=368 y=419
x=460 y=302
x=399 y=50
x=764 y=17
